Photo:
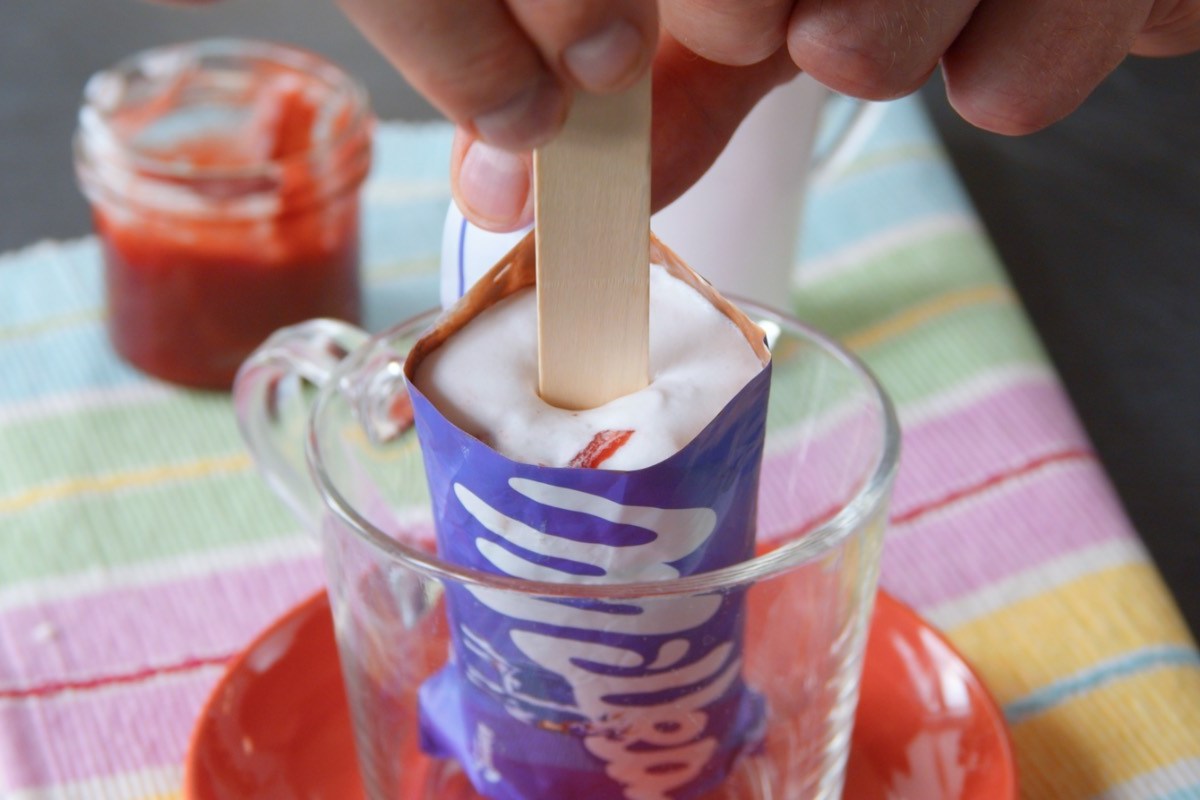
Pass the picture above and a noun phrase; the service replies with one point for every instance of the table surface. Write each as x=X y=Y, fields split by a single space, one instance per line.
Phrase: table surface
x=1095 y=220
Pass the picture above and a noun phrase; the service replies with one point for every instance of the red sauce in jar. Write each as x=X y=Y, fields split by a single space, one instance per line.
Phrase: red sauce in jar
x=230 y=234
x=190 y=312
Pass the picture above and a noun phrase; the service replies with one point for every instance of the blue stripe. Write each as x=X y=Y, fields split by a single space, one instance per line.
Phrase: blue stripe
x=42 y=283
x=1186 y=793
x=61 y=361
x=412 y=151
x=1107 y=672
x=395 y=233
x=905 y=124
x=386 y=304
x=903 y=193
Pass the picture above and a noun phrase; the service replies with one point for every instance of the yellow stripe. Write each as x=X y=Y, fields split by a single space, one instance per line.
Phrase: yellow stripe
x=914 y=316
x=1111 y=735
x=87 y=315
x=1072 y=627
x=402 y=269
x=124 y=480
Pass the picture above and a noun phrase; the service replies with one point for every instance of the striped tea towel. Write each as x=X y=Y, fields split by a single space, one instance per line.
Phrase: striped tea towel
x=140 y=551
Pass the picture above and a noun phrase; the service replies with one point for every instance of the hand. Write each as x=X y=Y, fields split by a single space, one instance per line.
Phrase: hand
x=504 y=70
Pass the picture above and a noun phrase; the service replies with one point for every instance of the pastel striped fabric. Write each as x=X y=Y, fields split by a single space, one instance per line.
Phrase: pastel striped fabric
x=140 y=551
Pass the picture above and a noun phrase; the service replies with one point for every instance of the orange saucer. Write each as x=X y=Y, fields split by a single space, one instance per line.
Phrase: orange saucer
x=277 y=725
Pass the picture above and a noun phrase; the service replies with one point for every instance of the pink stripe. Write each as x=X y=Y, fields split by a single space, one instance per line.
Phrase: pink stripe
x=134 y=663
x=127 y=631
x=959 y=494
x=804 y=482
x=82 y=736
x=1007 y=502
x=999 y=532
x=998 y=432
x=985 y=491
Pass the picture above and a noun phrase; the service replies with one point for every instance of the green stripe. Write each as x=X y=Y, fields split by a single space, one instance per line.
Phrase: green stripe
x=934 y=356
x=163 y=430
x=142 y=523
x=886 y=284
x=380 y=274
x=802 y=387
x=135 y=526
x=903 y=154
x=951 y=349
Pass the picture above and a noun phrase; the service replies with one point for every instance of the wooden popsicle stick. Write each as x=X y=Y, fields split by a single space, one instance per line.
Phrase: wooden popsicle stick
x=592 y=209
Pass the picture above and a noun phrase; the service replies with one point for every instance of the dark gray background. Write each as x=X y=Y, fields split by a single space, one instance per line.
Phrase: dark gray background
x=1097 y=219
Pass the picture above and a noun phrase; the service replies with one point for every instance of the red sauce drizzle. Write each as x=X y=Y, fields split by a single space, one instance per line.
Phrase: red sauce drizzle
x=600 y=449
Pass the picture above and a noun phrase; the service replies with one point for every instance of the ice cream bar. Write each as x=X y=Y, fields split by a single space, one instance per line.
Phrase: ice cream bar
x=638 y=699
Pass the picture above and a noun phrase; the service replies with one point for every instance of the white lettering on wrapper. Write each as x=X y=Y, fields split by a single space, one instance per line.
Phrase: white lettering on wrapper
x=678 y=533
x=485 y=738
x=651 y=617
x=668 y=751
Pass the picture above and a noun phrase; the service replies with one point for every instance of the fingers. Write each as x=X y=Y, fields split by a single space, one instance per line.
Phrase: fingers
x=734 y=32
x=471 y=60
x=505 y=70
x=697 y=107
x=875 y=49
x=1011 y=66
x=599 y=47
x=1172 y=29
x=1020 y=65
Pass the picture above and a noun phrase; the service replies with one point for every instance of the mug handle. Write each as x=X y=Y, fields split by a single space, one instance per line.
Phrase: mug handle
x=272 y=398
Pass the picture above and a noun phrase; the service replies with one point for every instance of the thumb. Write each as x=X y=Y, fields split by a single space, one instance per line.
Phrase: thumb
x=698 y=104
x=492 y=187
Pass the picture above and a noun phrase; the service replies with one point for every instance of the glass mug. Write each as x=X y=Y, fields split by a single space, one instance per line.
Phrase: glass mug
x=318 y=407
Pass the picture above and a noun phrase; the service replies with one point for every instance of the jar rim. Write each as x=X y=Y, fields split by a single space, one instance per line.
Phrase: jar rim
x=95 y=136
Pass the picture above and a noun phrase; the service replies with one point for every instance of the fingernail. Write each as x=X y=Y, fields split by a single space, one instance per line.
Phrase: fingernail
x=601 y=61
x=493 y=184
x=526 y=120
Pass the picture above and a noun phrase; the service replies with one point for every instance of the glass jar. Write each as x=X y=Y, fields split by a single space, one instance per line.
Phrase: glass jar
x=224 y=180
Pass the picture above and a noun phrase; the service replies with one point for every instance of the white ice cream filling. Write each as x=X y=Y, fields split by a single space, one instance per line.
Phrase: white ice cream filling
x=484 y=379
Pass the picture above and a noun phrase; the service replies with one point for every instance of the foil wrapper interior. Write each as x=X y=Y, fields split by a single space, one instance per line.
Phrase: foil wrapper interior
x=547 y=697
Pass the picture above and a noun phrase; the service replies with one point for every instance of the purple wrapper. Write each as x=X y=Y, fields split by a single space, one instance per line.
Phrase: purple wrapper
x=640 y=699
